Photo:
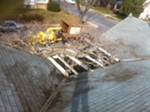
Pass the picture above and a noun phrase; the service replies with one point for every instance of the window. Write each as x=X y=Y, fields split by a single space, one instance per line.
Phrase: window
x=12 y=25
x=6 y=24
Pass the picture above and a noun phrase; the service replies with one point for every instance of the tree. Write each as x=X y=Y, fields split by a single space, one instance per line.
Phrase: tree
x=132 y=6
x=105 y=3
x=82 y=10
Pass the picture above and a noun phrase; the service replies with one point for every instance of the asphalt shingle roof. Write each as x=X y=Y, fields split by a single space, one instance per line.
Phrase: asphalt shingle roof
x=26 y=81
x=132 y=34
x=123 y=87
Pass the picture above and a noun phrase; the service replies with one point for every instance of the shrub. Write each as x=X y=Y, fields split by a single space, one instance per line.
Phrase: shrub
x=53 y=6
x=13 y=17
x=26 y=18
x=32 y=17
x=134 y=6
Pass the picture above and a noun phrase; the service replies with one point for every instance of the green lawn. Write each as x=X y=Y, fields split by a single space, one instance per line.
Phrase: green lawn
x=39 y=15
x=103 y=10
x=108 y=13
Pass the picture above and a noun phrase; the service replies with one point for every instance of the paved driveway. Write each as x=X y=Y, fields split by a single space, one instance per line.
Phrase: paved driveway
x=90 y=16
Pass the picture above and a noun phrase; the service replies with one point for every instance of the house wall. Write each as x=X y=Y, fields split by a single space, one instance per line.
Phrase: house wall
x=146 y=13
x=29 y=2
x=37 y=4
x=42 y=1
x=41 y=6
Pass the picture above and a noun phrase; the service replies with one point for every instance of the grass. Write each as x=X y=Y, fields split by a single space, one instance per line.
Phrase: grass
x=56 y=17
x=49 y=17
x=108 y=13
x=103 y=10
x=20 y=11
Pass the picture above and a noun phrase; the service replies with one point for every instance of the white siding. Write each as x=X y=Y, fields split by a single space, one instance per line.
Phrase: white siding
x=146 y=13
x=41 y=1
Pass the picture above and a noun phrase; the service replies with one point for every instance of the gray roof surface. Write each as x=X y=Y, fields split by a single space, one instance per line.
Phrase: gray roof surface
x=132 y=34
x=122 y=87
x=26 y=81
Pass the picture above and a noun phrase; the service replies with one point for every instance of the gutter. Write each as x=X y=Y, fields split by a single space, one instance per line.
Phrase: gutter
x=135 y=59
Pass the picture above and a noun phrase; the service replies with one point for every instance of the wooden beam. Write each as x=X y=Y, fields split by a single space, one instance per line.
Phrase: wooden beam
x=78 y=62
x=93 y=60
x=60 y=68
x=104 y=51
x=52 y=96
x=108 y=54
x=66 y=64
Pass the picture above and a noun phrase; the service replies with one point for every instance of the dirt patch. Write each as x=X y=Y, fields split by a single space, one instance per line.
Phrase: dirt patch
x=120 y=76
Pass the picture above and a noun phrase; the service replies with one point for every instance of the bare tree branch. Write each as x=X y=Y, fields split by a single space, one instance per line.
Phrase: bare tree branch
x=81 y=47
x=85 y=9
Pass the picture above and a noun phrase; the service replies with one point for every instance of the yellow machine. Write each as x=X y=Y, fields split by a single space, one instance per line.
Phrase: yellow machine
x=48 y=37
x=67 y=30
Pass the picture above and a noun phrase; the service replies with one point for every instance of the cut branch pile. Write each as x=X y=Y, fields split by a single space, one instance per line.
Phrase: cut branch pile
x=79 y=48
x=83 y=48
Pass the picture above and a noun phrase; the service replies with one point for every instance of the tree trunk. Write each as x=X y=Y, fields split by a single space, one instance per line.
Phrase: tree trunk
x=81 y=18
x=83 y=12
